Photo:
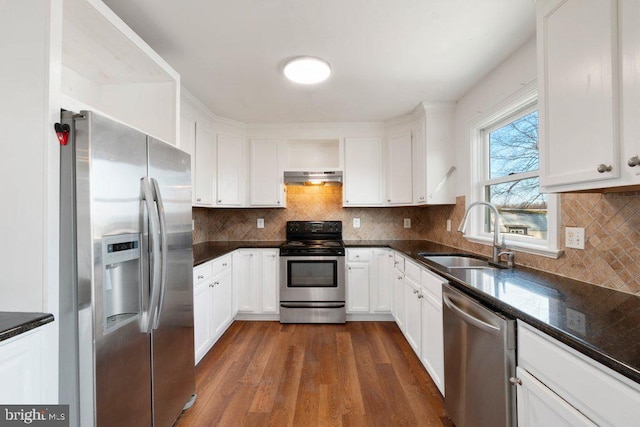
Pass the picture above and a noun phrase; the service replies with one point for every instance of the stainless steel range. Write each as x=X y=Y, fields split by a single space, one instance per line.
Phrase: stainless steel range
x=312 y=278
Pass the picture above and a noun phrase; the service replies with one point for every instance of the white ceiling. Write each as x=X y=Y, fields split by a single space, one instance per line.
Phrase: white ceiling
x=387 y=56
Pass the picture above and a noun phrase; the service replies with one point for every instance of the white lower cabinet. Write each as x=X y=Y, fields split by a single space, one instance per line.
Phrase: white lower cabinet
x=212 y=303
x=26 y=368
x=432 y=352
x=256 y=280
x=413 y=313
x=560 y=386
x=539 y=406
x=417 y=309
x=368 y=280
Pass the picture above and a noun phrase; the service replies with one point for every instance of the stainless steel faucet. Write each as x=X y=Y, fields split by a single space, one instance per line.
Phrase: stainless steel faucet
x=498 y=249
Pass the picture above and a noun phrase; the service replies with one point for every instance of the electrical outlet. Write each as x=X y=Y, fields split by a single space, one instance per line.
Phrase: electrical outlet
x=356 y=222
x=448 y=225
x=574 y=237
x=576 y=321
x=407 y=223
x=260 y=223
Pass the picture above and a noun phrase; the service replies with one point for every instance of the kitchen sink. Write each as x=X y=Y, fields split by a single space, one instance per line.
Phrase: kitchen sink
x=451 y=262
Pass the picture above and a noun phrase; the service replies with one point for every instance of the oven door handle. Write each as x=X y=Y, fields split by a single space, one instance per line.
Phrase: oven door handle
x=312 y=304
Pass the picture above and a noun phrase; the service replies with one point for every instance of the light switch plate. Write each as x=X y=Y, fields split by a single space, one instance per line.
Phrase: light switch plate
x=260 y=223
x=574 y=237
x=356 y=222
x=407 y=223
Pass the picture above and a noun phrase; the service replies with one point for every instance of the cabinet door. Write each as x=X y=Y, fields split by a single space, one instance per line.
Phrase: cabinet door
x=201 y=320
x=381 y=281
x=230 y=169
x=419 y=156
x=538 y=406
x=358 y=287
x=413 y=310
x=188 y=144
x=248 y=280
x=630 y=51
x=578 y=99
x=400 y=176
x=363 y=174
x=204 y=166
x=21 y=365
x=266 y=173
x=432 y=354
x=221 y=308
x=269 y=276
x=398 y=298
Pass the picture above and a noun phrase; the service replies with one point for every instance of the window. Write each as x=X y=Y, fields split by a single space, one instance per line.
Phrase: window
x=506 y=173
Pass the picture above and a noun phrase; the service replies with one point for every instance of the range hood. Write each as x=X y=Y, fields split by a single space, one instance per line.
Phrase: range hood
x=313 y=178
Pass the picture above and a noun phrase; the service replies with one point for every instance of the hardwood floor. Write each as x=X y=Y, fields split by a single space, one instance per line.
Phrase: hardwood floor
x=358 y=374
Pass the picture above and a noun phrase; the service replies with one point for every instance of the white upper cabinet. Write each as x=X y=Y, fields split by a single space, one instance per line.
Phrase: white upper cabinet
x=399 y=176
x=433 y=155
x=363 y=175
x=589 y=94
x=204 y=173
x=230 y=166
x=267 y=186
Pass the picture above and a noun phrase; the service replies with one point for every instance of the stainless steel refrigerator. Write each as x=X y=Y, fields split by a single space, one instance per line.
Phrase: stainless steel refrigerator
x=126 y=299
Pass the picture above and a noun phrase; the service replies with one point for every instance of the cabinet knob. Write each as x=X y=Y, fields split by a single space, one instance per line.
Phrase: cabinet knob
x=357 y=256
x=515 y=381
x=602 y=168
x=349 y=268
x=250 y=254
x=216 y=283
x=219 y=201
x=399 y=277
x=224 y=264
x=421 y=197
x=389 y=200
x=278 y=202
x=634 y=161
x=211 y=285
x=200 y=276
x=346 y=201
x=415 y=291
x=420 y=296
x=199 y=199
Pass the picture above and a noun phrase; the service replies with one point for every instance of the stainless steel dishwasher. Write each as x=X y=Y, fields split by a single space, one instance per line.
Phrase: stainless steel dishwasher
x=479 y=359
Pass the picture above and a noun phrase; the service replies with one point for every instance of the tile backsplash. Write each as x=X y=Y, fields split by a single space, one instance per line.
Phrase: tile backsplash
x=611 y=257
x=308 y=203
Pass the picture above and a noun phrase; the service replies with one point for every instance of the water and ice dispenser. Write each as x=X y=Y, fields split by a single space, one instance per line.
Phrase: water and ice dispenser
x=122 y=279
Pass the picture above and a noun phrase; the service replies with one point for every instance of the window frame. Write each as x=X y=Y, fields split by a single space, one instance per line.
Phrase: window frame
x=517 y=105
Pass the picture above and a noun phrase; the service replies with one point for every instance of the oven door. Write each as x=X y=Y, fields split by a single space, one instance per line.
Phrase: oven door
x=312 y=279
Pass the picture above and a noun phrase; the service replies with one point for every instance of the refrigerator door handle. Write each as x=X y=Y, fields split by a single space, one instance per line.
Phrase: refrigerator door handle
x=148 y=197
x=164 y=247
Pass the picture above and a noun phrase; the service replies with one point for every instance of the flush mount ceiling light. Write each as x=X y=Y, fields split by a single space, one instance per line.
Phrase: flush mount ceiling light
x=307 y=70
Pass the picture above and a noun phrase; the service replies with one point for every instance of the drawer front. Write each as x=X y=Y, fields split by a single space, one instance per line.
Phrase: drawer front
x=601 y=394
x=412 y=270
x=398 y=262
x=202 y=273
x=222 y=264
x=364 y=255
x=432 y=283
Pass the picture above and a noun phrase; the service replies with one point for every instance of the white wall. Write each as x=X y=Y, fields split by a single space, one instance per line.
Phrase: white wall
x=516 y=71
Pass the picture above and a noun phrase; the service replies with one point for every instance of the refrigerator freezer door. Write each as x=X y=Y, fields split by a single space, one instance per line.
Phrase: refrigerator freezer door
x=111 y=161
x=172 y=336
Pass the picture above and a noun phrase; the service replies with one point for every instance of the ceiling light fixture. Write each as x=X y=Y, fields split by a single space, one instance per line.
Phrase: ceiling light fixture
x=307 y=70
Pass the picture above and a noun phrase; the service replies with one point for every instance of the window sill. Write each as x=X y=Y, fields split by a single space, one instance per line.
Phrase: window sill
x=519 y=246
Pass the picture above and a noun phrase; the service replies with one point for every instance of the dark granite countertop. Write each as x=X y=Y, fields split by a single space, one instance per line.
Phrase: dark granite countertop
x=203 y=252
x=611 y=333
x=15 y=323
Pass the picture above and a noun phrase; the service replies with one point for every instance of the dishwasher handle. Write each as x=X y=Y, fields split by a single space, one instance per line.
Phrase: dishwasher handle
x=469 y=318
